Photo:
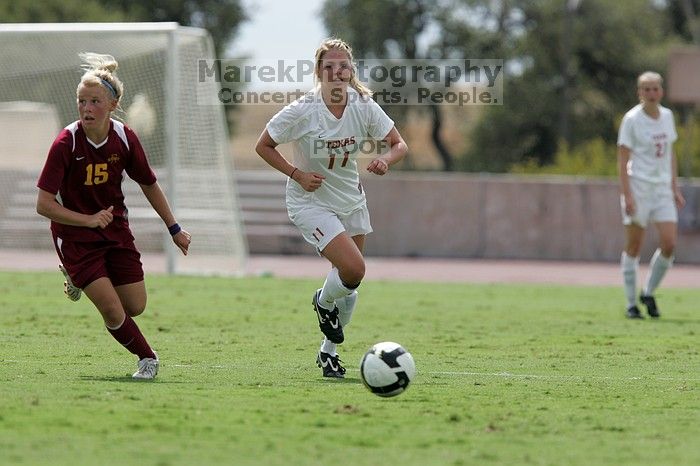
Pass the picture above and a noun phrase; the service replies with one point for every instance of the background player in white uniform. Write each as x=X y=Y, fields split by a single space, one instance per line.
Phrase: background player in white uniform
x=649 y=189
x=325 y=198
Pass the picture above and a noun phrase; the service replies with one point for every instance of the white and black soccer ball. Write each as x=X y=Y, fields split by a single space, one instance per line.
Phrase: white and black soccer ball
x=387 y=369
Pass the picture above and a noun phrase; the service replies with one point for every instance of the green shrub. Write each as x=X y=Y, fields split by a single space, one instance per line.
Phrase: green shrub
x=593 y=158
x=599 y=158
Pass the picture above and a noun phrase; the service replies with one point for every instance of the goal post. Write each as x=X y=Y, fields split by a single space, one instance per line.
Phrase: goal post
x=186 y=143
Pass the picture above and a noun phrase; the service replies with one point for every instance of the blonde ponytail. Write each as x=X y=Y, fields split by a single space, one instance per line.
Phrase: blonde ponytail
x=100 y=70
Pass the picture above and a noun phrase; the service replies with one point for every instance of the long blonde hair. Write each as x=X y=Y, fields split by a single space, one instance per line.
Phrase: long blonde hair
x=99 y=71
x=339 y=44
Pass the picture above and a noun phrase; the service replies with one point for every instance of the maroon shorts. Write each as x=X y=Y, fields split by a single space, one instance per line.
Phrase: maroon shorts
x=88 y=261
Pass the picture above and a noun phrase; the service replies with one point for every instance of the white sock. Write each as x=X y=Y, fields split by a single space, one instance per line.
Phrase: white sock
x=657 y=269
x=328 y=347
x=333 y=289
x=346 y=305
x=630 y=265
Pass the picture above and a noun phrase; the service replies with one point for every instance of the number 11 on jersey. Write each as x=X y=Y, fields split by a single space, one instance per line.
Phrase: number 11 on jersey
x=331 y=161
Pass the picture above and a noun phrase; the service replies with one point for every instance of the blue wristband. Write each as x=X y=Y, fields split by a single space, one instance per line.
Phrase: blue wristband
x=174 y=229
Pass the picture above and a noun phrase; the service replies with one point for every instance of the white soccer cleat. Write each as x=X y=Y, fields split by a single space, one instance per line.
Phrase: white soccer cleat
x=148 y=369
x=72 y=292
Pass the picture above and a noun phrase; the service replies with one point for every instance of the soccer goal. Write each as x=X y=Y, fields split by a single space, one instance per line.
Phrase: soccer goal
x=187 y=143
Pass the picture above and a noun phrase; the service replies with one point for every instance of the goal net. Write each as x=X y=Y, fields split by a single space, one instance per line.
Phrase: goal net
x=187 y=143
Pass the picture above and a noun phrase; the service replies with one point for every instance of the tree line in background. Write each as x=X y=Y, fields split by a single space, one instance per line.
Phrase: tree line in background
x=570 y=74
x=222 y=18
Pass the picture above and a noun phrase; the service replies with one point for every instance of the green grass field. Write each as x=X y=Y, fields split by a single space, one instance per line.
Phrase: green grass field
x=507 y=375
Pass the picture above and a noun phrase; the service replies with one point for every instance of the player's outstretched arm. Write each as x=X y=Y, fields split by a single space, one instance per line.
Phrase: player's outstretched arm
x=159 y=202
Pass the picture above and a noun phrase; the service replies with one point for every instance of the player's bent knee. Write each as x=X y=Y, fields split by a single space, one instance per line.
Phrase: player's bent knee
x=353 y=275
x=360 y=272
x=667 y=246
x=133 y=312
x=113 y=316
x=135 y=309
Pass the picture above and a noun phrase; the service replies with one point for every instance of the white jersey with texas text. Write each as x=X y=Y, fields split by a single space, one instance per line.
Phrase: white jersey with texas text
x=330 y=146
x=650 y=141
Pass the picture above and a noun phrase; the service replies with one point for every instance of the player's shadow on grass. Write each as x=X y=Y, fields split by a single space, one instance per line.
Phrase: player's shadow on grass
x=665 y=320
x=125 y=379
x=353 y=380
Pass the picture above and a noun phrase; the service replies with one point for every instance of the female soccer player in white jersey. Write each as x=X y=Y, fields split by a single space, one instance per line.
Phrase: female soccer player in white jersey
x=649 y=189
x=80 y=190
x=324 y=197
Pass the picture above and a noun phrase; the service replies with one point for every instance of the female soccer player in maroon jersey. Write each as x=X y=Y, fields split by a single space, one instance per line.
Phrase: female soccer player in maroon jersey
x=80 y=192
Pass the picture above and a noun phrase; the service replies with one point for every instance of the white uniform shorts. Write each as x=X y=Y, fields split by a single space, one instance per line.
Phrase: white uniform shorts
x=654 y=202
x=320 y=225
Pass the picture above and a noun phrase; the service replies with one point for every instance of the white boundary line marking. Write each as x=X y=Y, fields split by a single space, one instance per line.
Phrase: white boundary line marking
x=507 y=375
x=563 y=377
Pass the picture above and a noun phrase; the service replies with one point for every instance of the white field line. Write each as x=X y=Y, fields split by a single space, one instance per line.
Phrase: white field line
x=555 y=376
x=505 y=375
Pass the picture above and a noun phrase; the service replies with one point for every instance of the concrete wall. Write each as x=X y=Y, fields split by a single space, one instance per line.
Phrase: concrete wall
x=417 y=214
x=28 y=130
x=509 y=217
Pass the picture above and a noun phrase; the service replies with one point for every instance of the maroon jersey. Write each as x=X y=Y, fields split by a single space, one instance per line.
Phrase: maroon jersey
x=88 y=178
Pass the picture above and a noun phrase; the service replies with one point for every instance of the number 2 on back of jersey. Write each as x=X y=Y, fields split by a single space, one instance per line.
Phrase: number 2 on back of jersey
x=660 y=149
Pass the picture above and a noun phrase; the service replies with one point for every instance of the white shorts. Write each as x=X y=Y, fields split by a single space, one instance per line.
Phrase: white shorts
x=654 y=202
x=319 y=225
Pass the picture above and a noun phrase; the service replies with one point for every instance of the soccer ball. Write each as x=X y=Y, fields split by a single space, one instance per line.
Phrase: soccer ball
x=387 y=369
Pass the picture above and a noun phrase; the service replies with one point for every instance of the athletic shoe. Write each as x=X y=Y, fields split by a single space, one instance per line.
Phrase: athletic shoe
x=328 y=320
x=650 y=304
x=330 y=365
x=633 y=313
x=72 y=292
x=148 y=369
